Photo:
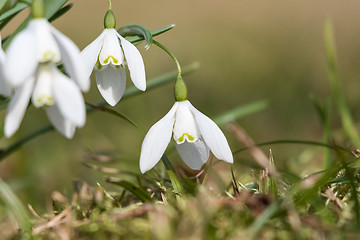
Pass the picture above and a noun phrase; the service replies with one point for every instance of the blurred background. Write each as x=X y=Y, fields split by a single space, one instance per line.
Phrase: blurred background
x=247 y=50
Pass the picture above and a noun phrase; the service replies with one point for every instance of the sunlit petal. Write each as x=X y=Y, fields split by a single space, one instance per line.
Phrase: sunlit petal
x=111 y=83
x=72 y=60
x=156 y=141
x=212 y=135
x=69 y=99
x=60 y=123
x=135 y=63
x=17 y=107
x=185 y=127
x=111 y=51
x=194 y=154
x=91 y=53
x=21 y=58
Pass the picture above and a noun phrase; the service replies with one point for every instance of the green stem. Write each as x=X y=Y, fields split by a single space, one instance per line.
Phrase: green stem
x=171 y=55
x=110 y=5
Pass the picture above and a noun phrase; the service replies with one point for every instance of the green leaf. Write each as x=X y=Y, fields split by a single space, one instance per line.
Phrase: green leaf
x=13 y=11
x=14 y=204
x=5 y=5
x=137 y=30
x=153 y=33
x=61 y=12
x=240 y=112
x=140 y=193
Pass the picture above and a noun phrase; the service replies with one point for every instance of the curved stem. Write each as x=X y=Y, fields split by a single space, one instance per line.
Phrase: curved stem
x=170 y=54
x=110 y=5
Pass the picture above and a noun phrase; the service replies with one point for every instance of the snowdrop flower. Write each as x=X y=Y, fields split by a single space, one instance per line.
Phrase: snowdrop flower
x=40 y=43
x=108 y=54
x=5 y=89
x=194 y=135
x=30 y=68
x=58 y=94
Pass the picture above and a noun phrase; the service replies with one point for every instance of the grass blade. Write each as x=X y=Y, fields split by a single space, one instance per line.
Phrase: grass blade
x=346 y=119
x=140 y=193
x=16 y=207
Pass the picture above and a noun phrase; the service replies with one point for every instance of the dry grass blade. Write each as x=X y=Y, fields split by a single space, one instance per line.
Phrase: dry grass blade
x=259 y=156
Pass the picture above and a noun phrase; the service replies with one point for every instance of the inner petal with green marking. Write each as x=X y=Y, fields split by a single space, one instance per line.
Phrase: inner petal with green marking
x=114 y=60
x=48 y=56
x=187 y=136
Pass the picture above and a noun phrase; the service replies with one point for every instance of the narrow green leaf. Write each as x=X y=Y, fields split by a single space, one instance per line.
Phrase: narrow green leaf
x=153 y=33
x=6 y=5
x=173 y=178
x=61 y=12
x=137 y=30
x=115 y=113
x=14 y=204
x=14 y=11
x=240 y=112
x=339 y=98
x=140 y=193
x=272 y=178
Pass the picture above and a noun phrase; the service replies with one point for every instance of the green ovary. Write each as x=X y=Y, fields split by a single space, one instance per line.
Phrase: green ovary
x=108 y=58
x=189 y=137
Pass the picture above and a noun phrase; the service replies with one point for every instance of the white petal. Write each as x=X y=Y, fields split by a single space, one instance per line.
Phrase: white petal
x=5 y=89
x=21 y=58
x=111 y=84
x=185 y=127
x=17 y=107
x=111 y=51
x=69 y=99
x=156 y=141
x=212 y=136
x=47 y=47
x=61 y=124
x=135 y=63
x=90 y=54
x=72 y=60
x=194 y=154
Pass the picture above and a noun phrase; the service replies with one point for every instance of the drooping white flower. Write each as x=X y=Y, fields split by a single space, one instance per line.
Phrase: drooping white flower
x=5 y=89
x=108 y=54
x=30 y=69
x=40 y=43
x=194 y=134
x=58 y=94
